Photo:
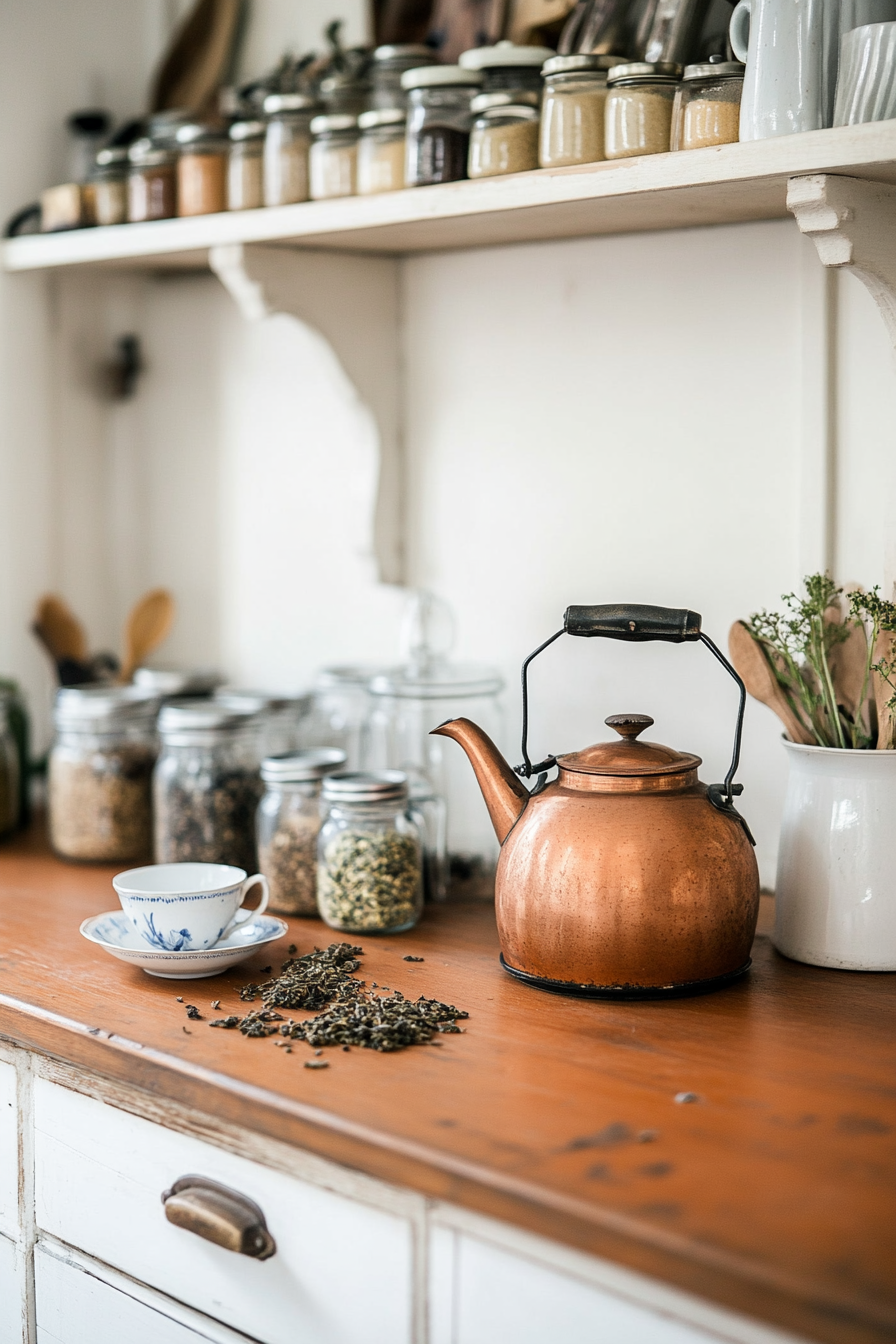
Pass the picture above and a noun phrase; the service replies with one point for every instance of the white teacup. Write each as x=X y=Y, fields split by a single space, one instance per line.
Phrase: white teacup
x=187 y=907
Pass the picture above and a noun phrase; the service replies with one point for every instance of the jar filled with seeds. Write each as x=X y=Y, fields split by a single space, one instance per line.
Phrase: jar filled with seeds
x=9 y=771
x=207 y=785
x=638 y=116
x=381 y=151
x=707 y=105
x=245 y=166
x=282 y=718
x=572 y=111
x=288 y=824
x=370 y=854
x=201 y=170
x=439 y=123
x=333 y=158
x=504 y=138
x=100 y=773
x=287 y=141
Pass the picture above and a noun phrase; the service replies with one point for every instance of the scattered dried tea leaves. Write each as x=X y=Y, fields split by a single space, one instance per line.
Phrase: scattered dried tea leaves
x=316 y=1064
x=193 y=1012
x=310 y=981
x=412 y=958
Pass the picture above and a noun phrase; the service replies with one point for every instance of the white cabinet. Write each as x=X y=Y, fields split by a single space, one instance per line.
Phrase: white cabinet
x=9 y=1151
x=12 y=1293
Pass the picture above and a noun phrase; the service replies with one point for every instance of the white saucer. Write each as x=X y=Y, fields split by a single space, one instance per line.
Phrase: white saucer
x=115 y=933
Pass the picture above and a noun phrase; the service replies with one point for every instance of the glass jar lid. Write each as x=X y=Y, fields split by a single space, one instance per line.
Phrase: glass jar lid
x=302 y=767
x=93 y=707
x=146 y=153
x=172 y=681
x=260 y=702
x=386 y=116
x=347 y=676
x=113 y=156
x=195 y=138
x=403 y=51
x=432 y=76
x=568 y=65
x=288 y=102
x=714 y=70
x=375 y=786
x=247 y=130
x=191 y=722
x=504 y=54
x=645 y=72
x=509 y=98
x=443 y=681
x=333 y=124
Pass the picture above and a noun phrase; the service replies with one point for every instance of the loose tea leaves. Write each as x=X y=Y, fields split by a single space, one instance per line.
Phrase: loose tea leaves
x=310 y=981
x=377 y=1023
x=369 y=880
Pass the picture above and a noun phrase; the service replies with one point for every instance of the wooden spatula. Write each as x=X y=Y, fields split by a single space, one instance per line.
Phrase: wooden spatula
x=60 y=629
x=749 y=659
x=884 y=647
x=147 y=625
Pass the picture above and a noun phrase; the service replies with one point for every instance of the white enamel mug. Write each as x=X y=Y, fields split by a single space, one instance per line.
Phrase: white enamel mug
x=187 y=907
x=866 y=83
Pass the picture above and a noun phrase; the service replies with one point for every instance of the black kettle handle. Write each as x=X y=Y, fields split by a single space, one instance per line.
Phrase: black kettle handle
x=639 y=624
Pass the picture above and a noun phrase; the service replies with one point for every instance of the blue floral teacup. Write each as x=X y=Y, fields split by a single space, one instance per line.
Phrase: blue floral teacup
x=187 y=907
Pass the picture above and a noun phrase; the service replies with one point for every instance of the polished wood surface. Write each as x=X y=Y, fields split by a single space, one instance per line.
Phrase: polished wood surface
x=772 y=1192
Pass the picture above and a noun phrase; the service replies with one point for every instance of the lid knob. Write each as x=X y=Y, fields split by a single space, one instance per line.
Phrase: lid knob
x=629 y=725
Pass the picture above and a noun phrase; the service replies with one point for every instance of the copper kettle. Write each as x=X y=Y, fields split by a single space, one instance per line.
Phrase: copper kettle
x=624 y=877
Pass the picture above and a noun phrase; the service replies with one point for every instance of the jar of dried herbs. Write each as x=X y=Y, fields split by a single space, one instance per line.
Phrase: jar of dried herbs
x=288 y=824
x=100 y=773
x=638 y=114
x=207 y=784
x=370 y=854
x=9 y=771
x=504 y=138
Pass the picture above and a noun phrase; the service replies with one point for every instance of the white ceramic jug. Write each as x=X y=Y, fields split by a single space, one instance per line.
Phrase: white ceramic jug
x=835 y=895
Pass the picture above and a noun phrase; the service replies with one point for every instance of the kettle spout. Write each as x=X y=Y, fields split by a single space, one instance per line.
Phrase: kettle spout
x=504 y=792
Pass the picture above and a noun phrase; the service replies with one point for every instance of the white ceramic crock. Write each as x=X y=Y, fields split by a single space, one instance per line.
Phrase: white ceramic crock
x=835 y=896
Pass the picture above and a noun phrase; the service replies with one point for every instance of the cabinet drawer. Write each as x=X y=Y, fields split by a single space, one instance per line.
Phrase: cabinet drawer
x=12 y=1293
x=342 y=1272
x=9 y=1151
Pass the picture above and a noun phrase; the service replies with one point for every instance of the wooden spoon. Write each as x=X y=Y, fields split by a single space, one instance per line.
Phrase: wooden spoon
x=748 y=657
x=885 y=647
x=60 y=629
x=147 y=625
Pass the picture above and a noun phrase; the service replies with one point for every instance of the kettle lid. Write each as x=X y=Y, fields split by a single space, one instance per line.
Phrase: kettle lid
x=628 y=756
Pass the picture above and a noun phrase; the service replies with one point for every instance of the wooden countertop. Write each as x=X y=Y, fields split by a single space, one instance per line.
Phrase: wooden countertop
x=773 y=1194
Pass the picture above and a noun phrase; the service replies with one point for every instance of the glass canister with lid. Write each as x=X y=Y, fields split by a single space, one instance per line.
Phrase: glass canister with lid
x=100 y=773
x=439 y=123
x=333 y=157
x=504 y=138
x=152 y=181
x=201 y=170
x=174 y=683
x=10 y=791
x=506 y=67
x=245 y=166
x=341 y=703
x=381 y=151
x=572 y=110
x=707 y=105
x=387 y=67
x=281 y=718
x=370 y=854
x=288 y=824
x=287 y=141
x=206 y=785
x=638 y=114
x=107 y=189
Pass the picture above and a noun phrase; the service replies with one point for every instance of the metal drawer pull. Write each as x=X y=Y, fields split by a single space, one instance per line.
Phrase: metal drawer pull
x=219 y=1214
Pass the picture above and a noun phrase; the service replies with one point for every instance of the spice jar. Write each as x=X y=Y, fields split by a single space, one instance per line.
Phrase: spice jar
x=100 y=773
x=506 y=67
x=639 y=108
x=245 y=166
x=340 y=705
x=152 y=181
x=107 y=190
x=201 y=171
x=504 y=138
x=288 y=824
x=572 y=110
x=381 y=151
x=439 y=122
x=206 y=785
x=281 y=718
x=286 y=144
x=388 y=65
x=369 y=876
x=333 y=158
x=707 y=105
x=10 y=774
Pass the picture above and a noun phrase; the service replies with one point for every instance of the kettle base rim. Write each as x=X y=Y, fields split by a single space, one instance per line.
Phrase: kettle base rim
x=679 y=990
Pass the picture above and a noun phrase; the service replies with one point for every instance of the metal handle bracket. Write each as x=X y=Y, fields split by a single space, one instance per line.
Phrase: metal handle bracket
x=219 y=1214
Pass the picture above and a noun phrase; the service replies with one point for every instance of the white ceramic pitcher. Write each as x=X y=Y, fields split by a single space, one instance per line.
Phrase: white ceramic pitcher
x=835 y=895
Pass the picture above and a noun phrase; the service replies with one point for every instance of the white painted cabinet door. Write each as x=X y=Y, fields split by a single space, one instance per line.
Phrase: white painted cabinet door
x=9 y=1151
x=12 y=1293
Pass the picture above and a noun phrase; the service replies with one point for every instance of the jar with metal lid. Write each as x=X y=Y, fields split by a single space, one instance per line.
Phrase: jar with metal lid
x=206 y=785
x=504 y=138
x=100 y=773
x=281 y=718
x=340 y=706
x=201 y=170
x=10 y=774
x=381 y=151
x=245 y=166
x=707 y=105
x=572 y=110
x=370 y=854
x=152 y=181
x=288 y=823
x=387 y=67
x=439 y=122
x=638 y=114
x=287 y=141
x=506 y=67
x=170 y=683
x=107 y=190
x=333 y=158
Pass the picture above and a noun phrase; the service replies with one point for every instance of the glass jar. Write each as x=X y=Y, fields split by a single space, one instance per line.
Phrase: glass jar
x=506 y=67
x=201 y=171
x=19 y=723
x=281 y=718
x=707 y=105
x=206 y=785
x=340 y=705
x=333 y=158
x=389 y=64
x=287 y=141
x=638 y=115
x=107 y=190
x=370 y=855
x=504 y=138
x=100 y=773
x=174 y=683
x=439 y=122
x=572 y=110
x=152 y=181
x=381 y=151
x=287 y=826
x=10 y=773
x=245 y=166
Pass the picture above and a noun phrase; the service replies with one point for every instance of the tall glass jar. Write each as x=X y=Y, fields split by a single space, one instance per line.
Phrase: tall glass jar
x=287 y=141
x=439 y=122
x=206 y=785
x=388 y=65
x=201 y=171
x=333 y=158
x=9 y=771
x=107 y=190
x=152 y=181
x=381 y=151
x=370 y=855
x=19 y=724
x=504 y=138
x=572 y=110
x=288 y=824
x=245 y=166
x=281 y=718
x=339 y=712
x=707 y=105
x=507 y=68
x=638 y=114
x=100 y=773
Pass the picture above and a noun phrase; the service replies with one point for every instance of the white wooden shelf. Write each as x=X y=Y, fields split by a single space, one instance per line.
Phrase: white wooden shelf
x=722 y=185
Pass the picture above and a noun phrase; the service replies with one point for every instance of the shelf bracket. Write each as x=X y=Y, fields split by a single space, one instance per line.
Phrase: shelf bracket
x=852 y=223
